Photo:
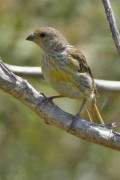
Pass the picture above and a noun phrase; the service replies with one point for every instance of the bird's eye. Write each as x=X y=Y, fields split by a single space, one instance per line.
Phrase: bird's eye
x=42 y=34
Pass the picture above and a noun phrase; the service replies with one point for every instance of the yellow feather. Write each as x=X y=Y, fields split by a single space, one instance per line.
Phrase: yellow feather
x=59 y=76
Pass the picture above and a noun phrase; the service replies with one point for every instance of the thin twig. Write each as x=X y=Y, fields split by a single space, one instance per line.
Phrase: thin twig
x=52 y=114
x=108 y=86
x=26 y=70
x=112 y=24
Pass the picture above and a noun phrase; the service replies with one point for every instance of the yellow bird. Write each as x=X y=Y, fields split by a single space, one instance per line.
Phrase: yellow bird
x=66 y=70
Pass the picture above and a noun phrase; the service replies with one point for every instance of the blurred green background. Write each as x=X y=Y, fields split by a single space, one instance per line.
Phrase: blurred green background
x=30 y=149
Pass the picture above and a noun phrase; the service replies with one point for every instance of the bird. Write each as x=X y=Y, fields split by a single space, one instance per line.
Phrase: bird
x=65 y=68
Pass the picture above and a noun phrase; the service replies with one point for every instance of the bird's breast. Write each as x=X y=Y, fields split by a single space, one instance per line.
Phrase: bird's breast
x=64 y=82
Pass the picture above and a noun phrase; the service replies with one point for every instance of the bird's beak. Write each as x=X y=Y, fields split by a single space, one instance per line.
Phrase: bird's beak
x=31 y=37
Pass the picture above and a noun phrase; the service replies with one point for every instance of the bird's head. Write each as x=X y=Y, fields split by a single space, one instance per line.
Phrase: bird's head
x=49 y=39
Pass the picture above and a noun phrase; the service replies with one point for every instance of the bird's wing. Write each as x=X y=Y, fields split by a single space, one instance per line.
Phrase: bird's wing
x=76 y=57
x=78 y=62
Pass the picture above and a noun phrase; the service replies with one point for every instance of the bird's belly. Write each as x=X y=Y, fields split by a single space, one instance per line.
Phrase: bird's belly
x=68 y=89
x=66 y=85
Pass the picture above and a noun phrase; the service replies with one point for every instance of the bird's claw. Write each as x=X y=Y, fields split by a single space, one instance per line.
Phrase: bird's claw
x=73 y=122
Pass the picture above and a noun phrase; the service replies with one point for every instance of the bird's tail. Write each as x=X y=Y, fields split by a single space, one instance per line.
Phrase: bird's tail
x=94 y=113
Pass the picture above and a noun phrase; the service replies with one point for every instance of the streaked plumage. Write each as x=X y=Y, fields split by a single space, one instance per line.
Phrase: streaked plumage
x=66 y=69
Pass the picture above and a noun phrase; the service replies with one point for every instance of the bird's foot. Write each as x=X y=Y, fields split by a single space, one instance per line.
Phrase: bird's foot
x=74 y=121
x=46 y=100
x=51 y=97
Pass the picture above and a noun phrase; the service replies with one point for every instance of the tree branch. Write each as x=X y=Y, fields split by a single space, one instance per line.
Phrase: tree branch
x=112 y=24
x=108 y=86
x=52 y=114
x=26 y=71
x=102 y=85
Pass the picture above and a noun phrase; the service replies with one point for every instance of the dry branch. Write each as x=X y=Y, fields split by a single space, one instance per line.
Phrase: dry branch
x=52 y=114
x=26 y=71
x=108 y=86
x=112 y=24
